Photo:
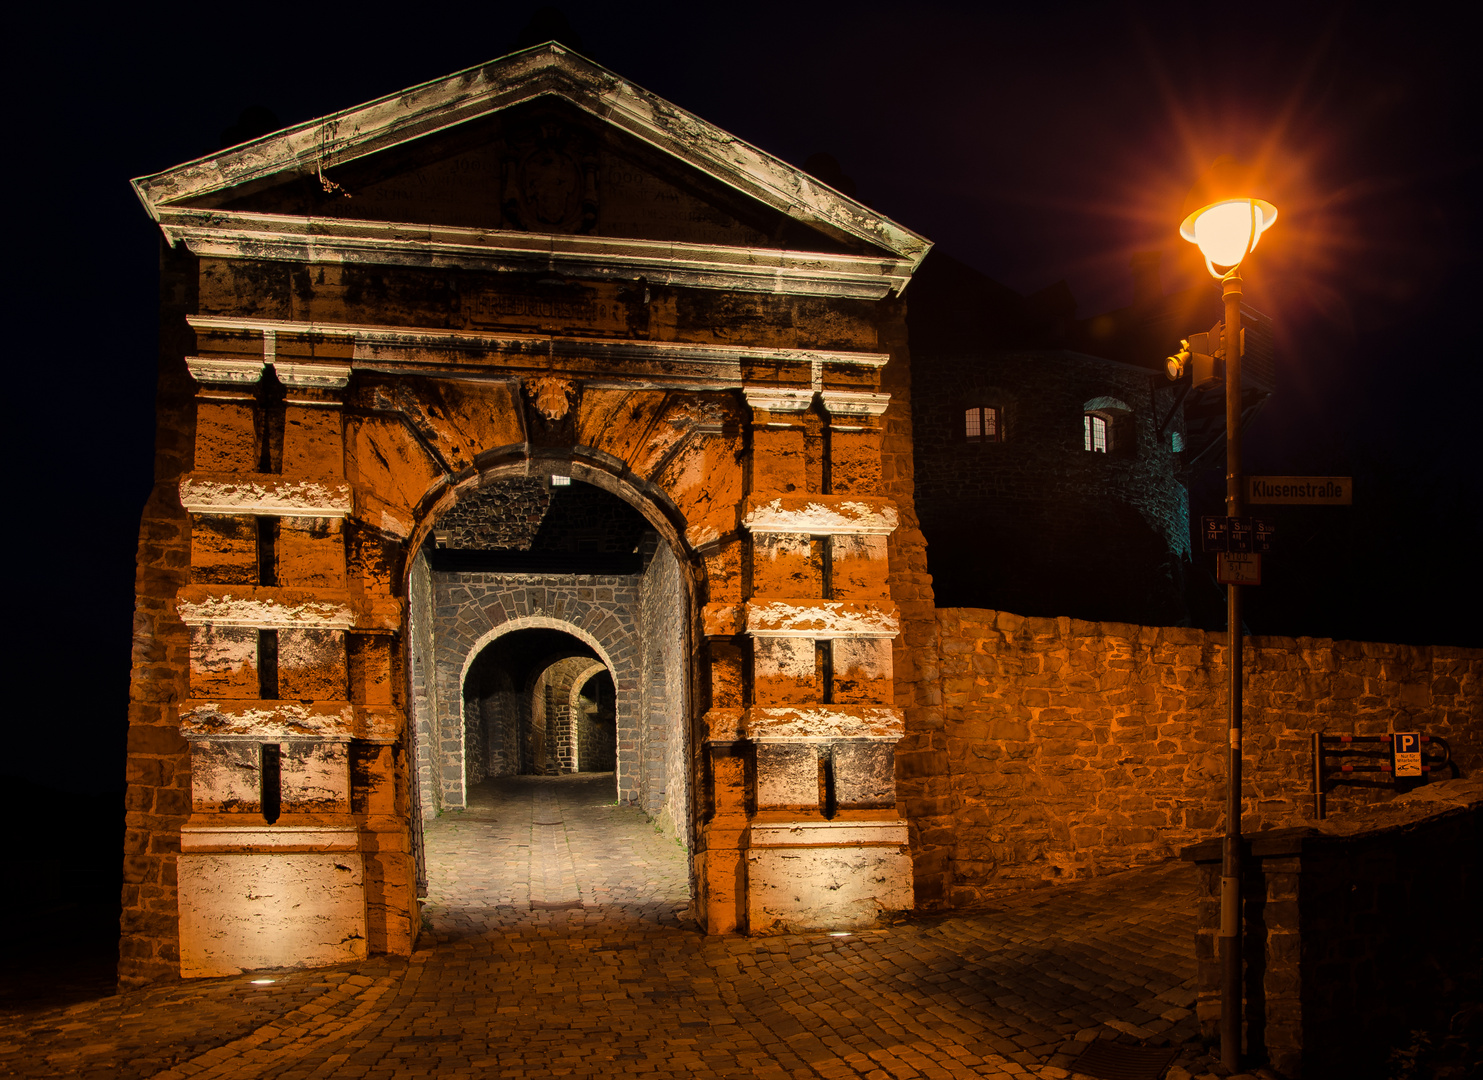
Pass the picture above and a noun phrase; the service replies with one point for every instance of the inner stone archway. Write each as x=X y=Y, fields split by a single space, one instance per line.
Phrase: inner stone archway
x=550 y=636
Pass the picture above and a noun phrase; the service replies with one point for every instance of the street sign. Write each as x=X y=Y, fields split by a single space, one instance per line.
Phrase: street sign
x=1232 y=568
x=1213 y=533
x=1240 y=530
x=1261 y=535
x=1405 y=748
x=1301 y=490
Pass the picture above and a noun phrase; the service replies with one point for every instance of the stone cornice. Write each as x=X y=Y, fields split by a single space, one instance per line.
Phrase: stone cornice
x=263 y=493
x=546 y=70
x=665 y=362
x=224 y=371
x=776 y=399
x=288 y=238
x=849 y=403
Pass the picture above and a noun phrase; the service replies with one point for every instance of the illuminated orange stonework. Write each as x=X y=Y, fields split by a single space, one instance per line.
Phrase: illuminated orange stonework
x=705 y=336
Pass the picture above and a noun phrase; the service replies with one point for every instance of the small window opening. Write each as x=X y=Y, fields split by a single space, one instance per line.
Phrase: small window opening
x=561 y=481
x=271 y=779
x=267 y=551
x=1095 y=428
x=267 y=665
x=824 y=665
x=981 y=423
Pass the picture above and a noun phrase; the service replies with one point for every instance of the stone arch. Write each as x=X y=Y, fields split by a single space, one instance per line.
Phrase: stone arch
x=579 y=679
x=491 y=613
x=443 y=774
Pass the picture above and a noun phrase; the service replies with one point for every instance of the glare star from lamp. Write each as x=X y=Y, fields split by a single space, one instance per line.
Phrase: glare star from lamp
x=1226 y=225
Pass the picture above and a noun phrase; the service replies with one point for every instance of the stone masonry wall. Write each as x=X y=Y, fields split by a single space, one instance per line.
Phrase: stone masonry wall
x=158 y=796
x=924 y=796
x=1077 y=748
x=423 y=686
x=471 y=607
x=666 y=761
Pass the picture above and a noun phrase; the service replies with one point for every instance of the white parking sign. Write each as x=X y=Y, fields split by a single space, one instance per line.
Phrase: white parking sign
x=1406 y=748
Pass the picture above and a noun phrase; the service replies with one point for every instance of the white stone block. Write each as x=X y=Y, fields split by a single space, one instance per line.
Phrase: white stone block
x=796 y=888
x=242 y=912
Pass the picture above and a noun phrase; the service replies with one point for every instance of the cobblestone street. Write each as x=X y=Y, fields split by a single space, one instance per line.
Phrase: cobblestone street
x=555 y=943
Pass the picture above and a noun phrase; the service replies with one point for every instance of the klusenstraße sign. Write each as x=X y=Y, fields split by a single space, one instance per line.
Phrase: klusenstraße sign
x=1300 y=490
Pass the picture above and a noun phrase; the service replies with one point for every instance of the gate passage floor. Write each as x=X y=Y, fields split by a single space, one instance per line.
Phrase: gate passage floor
x=512 y=979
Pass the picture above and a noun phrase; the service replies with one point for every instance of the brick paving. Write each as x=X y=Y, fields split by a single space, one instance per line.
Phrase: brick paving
x=556 y=943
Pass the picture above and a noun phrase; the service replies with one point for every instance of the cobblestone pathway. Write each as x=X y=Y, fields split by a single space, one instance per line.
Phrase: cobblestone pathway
x=510 y=980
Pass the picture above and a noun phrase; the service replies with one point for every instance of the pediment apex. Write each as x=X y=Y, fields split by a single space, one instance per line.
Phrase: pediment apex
x=541 y=71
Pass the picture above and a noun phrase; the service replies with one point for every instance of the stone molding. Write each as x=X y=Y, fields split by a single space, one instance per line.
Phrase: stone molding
x=312 y=376
x=821 y=515
x=854 y=403
x=258 y=835
x=288 y=720
x=778 y=399
x=225 y=371
x=675 y=363
x=805 y=723
x=269 y=608
x=817 y=833
x=817 y=723
x=821 y=619
x=263 y=493
x=282 y=237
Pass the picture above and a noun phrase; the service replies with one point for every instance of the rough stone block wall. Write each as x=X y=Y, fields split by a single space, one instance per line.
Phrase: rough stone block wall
x=924 y=793
x=470 y=609
x=158 y=796
x=666 y=759
x=1076 y=748
x=1034 y=522
x=424 y=687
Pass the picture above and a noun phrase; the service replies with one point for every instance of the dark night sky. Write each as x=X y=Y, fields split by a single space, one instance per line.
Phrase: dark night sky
x=1037 y=143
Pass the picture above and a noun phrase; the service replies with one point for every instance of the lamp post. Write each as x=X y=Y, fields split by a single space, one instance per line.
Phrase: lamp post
x=1226 y=228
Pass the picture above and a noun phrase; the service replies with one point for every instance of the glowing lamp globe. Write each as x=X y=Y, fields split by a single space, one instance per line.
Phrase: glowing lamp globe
x=1223 y=215
x=1227 y=231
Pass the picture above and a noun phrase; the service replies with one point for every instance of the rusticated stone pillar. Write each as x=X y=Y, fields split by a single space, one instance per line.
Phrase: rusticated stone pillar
x=290 y=684
x=803 y=774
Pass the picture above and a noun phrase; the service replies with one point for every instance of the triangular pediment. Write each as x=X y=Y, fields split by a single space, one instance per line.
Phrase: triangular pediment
x=485 y=163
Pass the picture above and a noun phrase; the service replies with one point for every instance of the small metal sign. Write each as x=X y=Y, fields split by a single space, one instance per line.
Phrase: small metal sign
x=1240 y=530
x=1301 y=490
x=1233 y=568
x=1213 y=533
x=1405 y=749
x=1261 y=535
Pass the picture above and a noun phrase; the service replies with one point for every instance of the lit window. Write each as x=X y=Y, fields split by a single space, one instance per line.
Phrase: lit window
x=981 y=424
x=1176 y=441
x=1096 y=433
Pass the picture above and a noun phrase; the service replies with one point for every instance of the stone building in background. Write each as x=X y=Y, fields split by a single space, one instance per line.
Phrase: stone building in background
x=498 y=414
x=1053 y=455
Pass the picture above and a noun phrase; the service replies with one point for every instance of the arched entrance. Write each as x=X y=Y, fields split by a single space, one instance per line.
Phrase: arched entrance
x=550 y=638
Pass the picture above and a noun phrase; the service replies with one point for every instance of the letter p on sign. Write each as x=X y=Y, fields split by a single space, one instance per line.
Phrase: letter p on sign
x=1406 y=749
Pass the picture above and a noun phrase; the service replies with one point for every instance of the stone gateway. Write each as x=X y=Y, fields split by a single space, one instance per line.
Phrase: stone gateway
x=397 y=343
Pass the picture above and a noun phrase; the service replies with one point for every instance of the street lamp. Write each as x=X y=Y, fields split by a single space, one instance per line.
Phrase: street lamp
x=1227 y=224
